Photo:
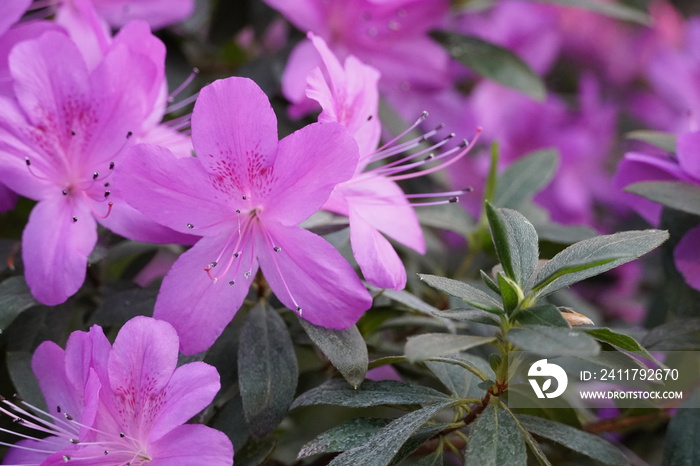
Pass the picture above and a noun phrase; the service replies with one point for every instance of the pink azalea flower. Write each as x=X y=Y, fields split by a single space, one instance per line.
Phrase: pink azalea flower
x=121 y=404
x=118 y=13
x=372 y=200
x=60 y=138
x=389 y=35
x=245 y=193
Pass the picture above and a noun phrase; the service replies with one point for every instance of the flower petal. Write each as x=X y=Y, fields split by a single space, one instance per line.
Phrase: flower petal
x=192 y=444
x=688 y=148
x=687 y=257
x=310 y=273
x=190 y=390
x=12 y=12
x=158 y=13
x=20 y=456
x=49 y=366
x=193 y=303
x=234 y=133
x=175 y=192
x=380 y=264
x=55 y=248
x=310 y=163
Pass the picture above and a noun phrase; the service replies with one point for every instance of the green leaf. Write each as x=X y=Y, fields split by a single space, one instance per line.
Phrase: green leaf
x=678 y=335
x=547 y=315
x=618 y=340
x=350 y=434
x=15 y=298
x=524 y=178
x=614 y=10
x=467 y=293
x=474 y=364
x=553 y=341
x=19 y=365
x=472 y=315
x=370 y=393
x=574 y=439
x=682 y=447
x=492 y=62
x=430 y=345
x=460 y=382
x=516 y=243
x=385 y=444
x=510 y=292
x=660 y=139
x=415 y=441
x=488 y=281
x=447 y=217
x=254 y=453
x=346 y=349
x=412 y=301
x=594 y=256
x=267 y=370
x=675 y=194
x=496 y=440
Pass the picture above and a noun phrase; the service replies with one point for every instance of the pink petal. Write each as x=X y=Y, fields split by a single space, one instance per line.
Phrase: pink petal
x=234 y=133
x=89 y=32
x=307 y=15
x=48 y=364
x=192 y=444
x=12 y=12
x=310 y=273
x=190 y=390
x=193 y=303
x=688 y=148
x=303 y=59
x=158 y=13
x=87 y=351
x=18 y=456
x=687 y=257
x=380 y=264
x=310 y=163
x=178 y=143
x=174 y=192
x=55 y=248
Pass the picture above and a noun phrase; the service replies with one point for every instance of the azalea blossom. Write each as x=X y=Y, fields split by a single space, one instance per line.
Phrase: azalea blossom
x=372 y=200
x=118 y=13
x=121 y=404
x=245 y=194
x=391 y=36
x=61 y=137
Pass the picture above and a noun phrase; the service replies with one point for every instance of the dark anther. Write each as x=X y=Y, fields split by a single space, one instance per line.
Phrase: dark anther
x=74 y=441
x=27 y=161
x=64 y=192
x=122 y=434
x=238 y=211
x=111 y=165
x=190 y=226
x=106 y=185
x=369 y=118
x=464 y=143
x=453 y=200
x=277 y=248
x=129 y=134
x=95 y=175
x=236 y=254
x=231 y=283
x=213 y=264
x=247 y=274
x=245 y=197
x=68 y=417
x=72 y=132
x=107 y=193
x=17 y=420
x=106 y=452
x=66 y=458
x=75 y=219
x=58 y=409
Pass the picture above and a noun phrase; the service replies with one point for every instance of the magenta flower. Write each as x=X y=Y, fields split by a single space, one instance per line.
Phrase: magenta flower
x=391 y=36
x=245 y=194
x=125 y=404
x=61 y=137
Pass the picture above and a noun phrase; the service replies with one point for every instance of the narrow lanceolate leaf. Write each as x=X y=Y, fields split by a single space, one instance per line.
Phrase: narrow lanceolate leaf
x=385 y=444
x=553 y=341
x=370 y=393
x=472 y=315
x=547 y=315
x=495 y=440
x=492 y=62
x=574 y=439
x=467 y=293
x=682 y=446
x=594 y=256
x=15 y=298
x=516 y=243
x=660 y=139
x=618 y=340
x=524 y=178
x=346 y=349
x=675 y=194
x=430 y=345
x=612 y=9
x=267 y=370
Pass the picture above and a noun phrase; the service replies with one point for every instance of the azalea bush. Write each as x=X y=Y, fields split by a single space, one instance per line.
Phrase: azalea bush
x=357 y=232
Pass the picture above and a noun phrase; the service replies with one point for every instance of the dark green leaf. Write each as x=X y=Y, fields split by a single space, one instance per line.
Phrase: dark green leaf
x=415 y=441
x=15 y=298
x=546 y=314
x=267 y=370
x=496 y=440
x=594 y=256
x=614 y=10
x=682 y=446
x=472 y=315
x=492 y=62
x=448 y=217
x=254 y=453
x=455 y=378
x=553 y=341
x=510 y=292
x=429 y=345
x=516 y=243
x=675 y=194
x=19 y=365
x=618 y=340
x=660 y=139
x=488 y=281
x=574 y=439
x=469 y=294
x=346 y=349
x=350 y=434
x=474 y=364
x=413 y=302
x=385 y=444
x=524 y=178
x=370 y=393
